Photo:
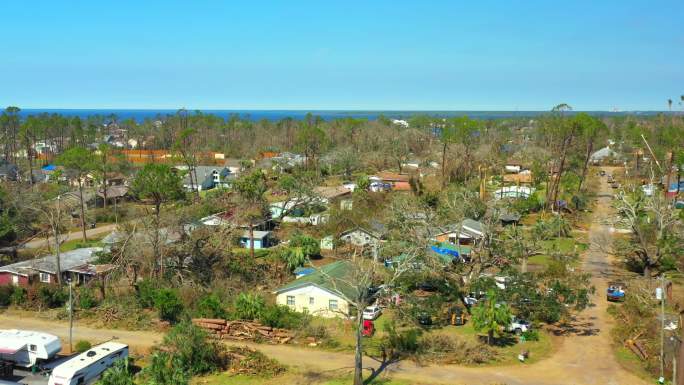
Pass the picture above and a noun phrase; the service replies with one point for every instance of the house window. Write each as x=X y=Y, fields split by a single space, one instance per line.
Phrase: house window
x=311 y=301
x=33 y=348
x=45 y=277
x=332 y=304
x=290 y=300
x=15 y=279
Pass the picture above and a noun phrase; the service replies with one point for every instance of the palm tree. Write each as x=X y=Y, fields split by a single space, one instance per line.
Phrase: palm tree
x=669 y=104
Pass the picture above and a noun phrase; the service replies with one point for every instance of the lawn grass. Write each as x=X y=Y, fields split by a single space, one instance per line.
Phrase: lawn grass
x=507 y=354
x=78 y=243
x=342 y=334
x=631 y=363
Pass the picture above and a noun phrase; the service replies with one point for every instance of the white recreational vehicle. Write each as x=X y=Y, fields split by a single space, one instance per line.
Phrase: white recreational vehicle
x=88 y=366
x=25 y=348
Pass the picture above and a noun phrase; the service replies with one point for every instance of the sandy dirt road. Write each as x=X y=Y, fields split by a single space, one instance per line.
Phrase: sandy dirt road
x=584 y=358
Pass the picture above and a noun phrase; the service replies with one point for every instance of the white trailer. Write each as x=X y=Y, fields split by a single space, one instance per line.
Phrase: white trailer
x=87 y=367
x=26 y=348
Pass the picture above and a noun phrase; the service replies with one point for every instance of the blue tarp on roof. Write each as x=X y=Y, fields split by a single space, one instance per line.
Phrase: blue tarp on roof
x=49 y=167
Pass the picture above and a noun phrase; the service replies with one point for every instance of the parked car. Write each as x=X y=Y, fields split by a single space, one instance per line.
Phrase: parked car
x=615 y=185
x=372 y=312
x=424 y=318
x=602 y=173
x=615 y=292
x=518 y=326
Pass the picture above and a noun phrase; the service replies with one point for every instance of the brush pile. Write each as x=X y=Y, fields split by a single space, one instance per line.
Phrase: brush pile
x=243 y=330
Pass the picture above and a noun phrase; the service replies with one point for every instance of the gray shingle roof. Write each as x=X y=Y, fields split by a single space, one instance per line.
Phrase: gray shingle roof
x=48 y=264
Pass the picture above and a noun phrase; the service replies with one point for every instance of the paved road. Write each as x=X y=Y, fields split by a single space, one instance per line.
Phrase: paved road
x=39 y=243
x=584 y=358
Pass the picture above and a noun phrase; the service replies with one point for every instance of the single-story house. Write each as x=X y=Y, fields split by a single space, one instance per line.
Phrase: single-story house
x=325 y=292
x=335 y=195
x=261 y=239
x=398 y=182
x=362 y=236
x=75 y=264
x=606 y=153
x=466 y=232
x=208 y=177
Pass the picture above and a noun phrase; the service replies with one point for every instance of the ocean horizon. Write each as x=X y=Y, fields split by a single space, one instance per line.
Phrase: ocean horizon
x=276 y=115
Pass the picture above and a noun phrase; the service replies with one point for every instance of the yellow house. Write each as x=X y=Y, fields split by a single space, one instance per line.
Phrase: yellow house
x=327 y=292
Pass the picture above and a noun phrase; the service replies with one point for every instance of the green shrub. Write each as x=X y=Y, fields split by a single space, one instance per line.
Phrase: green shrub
x=82 y=346
x=279 y=316
x=18 y=296
x=310 y=246
x=6 y=292
x=403 y=342
x=145 y=291
x=86 y=298
x=119 y=374
x=192 y=350
x=531 y=335
x=51 y=296
x=168 y=304
x=211 y=306
x=248 y=306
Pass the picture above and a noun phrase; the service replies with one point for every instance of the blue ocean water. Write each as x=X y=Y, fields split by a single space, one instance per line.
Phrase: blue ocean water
x=275 y=115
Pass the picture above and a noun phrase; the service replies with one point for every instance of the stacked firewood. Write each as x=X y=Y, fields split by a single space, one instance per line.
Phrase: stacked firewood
x=243 y=330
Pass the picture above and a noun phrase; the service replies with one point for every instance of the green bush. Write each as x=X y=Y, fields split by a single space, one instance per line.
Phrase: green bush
x=310 y=246
x=403 y=342
x=119 y=374
x=18 y=296
x=531 y=335
x=86 y=298
x=145 y=291
x=278 y=316
x=51 y=296
x=248 y=306
x=168 y=304
x=192 y=351
x=211 y=306
x=6 y=293
x=82 y=346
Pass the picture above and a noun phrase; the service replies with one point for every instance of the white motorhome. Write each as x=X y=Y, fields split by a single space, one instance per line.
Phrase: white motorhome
x=88 y=366
x=26 y=348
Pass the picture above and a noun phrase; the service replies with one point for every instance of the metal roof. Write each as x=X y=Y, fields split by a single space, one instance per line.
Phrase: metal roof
x=48 y=264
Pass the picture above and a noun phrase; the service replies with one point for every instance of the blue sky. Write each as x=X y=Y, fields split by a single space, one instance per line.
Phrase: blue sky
x=425 y=55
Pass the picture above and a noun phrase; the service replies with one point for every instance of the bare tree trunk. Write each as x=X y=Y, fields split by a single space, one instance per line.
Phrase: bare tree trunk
x=358 y=353
x=157 y=254
x=251 y=239
x=590 y=148
x=58 y=258
x=83 y=219
x=444 y=149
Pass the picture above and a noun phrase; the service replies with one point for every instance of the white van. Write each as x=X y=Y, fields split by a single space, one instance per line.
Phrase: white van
x=88 y=366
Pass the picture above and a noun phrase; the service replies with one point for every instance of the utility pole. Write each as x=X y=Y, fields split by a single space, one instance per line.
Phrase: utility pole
x=662 y=329
x=71 y=318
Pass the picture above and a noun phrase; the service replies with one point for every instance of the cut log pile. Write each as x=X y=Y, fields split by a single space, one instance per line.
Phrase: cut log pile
x=243 y=330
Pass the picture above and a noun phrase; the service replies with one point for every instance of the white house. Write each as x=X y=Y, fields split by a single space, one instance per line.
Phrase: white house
x=325 y=292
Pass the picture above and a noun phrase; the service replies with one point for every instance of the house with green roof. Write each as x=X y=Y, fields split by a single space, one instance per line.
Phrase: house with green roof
x=327 y=292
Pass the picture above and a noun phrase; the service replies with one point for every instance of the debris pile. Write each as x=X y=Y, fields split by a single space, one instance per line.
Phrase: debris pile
x=243 y=330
